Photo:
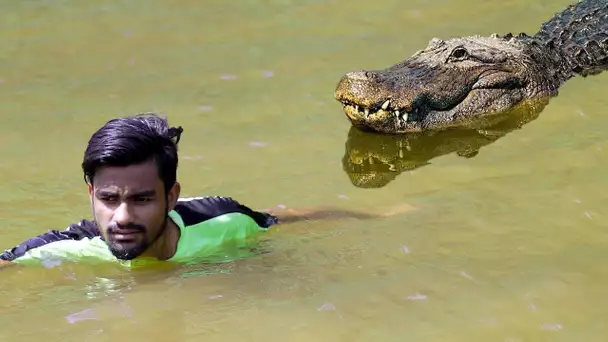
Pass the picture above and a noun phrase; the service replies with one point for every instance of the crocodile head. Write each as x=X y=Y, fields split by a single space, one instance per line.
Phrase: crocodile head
x=449 y=83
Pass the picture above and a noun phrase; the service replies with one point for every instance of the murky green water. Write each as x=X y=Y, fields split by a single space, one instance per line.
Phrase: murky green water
x=505 y=246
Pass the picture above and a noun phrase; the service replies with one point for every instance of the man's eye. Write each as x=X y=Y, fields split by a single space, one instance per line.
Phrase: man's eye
x=108 y=198
x=143 y=199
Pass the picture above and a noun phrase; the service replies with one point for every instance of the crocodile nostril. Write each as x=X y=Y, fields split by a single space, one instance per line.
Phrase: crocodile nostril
x=358 y=75
x=361 y=75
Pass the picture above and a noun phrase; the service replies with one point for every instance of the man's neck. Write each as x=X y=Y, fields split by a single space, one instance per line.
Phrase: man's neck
x=165 y=246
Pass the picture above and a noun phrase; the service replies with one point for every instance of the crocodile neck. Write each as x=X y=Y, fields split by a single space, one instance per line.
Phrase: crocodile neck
x=576 y=40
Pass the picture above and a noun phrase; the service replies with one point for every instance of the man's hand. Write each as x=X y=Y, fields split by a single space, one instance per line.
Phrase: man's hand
x=4 y=264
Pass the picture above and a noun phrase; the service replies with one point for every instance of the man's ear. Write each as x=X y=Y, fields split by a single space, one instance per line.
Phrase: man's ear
x=90 y=189
x=173 y=195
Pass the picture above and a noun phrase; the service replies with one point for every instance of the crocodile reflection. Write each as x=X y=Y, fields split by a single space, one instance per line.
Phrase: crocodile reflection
x=372 y=160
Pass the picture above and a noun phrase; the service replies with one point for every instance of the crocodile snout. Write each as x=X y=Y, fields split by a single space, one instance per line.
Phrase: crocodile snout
x=359 y=87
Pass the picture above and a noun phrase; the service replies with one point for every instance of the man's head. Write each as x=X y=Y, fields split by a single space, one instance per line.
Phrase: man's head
x=130 y=166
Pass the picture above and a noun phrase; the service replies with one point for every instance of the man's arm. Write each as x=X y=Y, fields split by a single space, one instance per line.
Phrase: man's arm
x=315 y=214
x=76 y=231
x=196 y=209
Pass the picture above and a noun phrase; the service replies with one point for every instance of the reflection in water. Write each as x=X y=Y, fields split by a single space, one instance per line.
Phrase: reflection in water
x=373 y=160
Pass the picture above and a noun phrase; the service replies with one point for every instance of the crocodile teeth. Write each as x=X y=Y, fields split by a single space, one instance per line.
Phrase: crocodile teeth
x=357 y=108
x=366 y=110
x=400 y=116
x=385 y=104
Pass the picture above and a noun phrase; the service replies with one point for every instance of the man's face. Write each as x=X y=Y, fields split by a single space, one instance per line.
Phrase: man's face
x=130 y=207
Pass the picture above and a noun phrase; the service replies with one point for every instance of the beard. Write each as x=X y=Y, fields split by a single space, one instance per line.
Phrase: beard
x=130 y=251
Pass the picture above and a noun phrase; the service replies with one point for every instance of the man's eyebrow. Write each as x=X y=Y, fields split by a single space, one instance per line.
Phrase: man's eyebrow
x=105 y=193
x=143 y=193
x=140 y=193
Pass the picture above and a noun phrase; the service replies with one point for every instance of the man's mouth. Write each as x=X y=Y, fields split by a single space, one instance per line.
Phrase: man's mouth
x=126 y=235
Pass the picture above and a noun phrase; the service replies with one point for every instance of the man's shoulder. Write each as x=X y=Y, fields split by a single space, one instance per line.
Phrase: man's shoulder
x=76 y=231
x=194 y=210
x=83 y=229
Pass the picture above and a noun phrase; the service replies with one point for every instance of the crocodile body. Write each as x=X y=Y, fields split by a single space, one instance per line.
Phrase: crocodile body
x=461 y=81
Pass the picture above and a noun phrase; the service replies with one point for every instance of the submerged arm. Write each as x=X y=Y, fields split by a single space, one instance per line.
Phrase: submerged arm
x=328 y=213
x=5 y=264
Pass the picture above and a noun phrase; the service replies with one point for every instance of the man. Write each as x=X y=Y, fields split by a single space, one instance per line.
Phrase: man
x=130 y=167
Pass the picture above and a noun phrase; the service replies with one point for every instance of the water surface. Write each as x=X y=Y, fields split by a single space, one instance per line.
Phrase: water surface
x=505 y=242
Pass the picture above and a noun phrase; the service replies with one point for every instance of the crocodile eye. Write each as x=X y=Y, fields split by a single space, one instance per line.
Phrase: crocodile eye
x=459 y=53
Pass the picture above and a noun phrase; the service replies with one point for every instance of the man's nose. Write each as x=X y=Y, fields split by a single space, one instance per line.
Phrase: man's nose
x=122 y=214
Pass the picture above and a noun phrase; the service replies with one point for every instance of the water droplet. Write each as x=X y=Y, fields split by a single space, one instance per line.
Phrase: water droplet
x=326 y=307
x=417 y=296
x=228 y=77
x=257 y=144
x=551 y=326
x=466 y=275
x=87 y=314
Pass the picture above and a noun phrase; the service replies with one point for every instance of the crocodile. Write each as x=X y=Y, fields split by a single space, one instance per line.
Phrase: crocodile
x=374 y=160
x=461 y=80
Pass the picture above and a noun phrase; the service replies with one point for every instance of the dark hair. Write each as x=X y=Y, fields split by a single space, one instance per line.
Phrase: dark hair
x=134 y=140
